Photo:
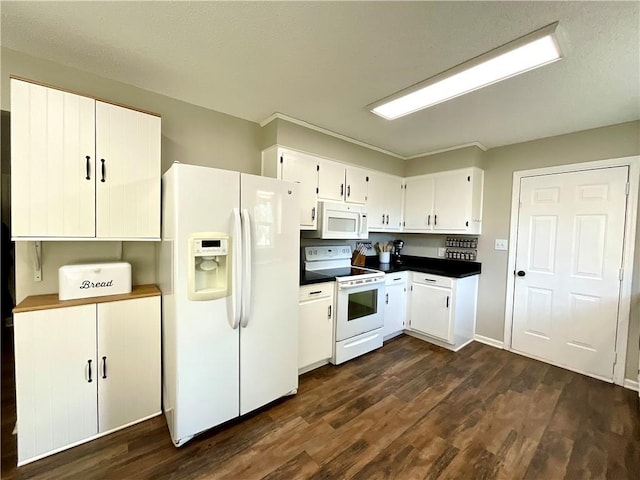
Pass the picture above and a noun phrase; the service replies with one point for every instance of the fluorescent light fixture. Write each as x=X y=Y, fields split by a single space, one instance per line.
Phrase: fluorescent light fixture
x=526 y=53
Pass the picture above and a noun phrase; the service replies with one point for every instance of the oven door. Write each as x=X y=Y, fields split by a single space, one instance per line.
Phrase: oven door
x=358 y=309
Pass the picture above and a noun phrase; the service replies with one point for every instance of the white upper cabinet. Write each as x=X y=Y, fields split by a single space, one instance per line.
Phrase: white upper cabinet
x=446 y=202
x=331 y=181
x=384 y=202
x=71 y=155
x=300 y=168
x=418 y=204
x=127 y=173
x=339 y=182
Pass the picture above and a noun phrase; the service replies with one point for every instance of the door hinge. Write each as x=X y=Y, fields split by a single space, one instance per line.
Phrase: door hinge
x=627 y=188
x=621 y=274
x=317 y=190
x=367 y=179
x=615 y=358
x=469 y=178
x=281 y=158
x=411 y=288
x=317 y=168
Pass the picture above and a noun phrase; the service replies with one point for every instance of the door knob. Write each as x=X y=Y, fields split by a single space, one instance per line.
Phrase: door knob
x=521 y=273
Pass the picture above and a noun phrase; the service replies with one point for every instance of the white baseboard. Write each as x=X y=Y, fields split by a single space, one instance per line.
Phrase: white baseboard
x=489 y=341
x=631 y=384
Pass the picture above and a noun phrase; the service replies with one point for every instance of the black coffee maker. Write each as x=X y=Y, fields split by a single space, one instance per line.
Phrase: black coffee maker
x=397 y=248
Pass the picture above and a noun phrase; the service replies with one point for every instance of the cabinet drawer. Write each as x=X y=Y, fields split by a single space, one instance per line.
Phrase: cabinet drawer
x=429 y=279
x=315 y=291
x=395 y=278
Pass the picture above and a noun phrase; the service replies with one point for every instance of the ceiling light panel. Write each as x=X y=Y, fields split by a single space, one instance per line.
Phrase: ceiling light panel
x=527 y=53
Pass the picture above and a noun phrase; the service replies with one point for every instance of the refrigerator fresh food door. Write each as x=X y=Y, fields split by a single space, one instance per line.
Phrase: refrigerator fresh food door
x=269 y=324
x=206 y=344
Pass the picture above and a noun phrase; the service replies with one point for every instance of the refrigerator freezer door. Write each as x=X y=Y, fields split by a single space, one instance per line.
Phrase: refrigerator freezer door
x=201 y=358
x=269 y=342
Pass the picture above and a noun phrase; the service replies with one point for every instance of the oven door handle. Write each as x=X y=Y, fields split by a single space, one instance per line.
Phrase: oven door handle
x=364 y=286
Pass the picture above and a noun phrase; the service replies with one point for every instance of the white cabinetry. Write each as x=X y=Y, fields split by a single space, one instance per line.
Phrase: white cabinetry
x=384 y=202
x=339 y=182
x=82 y=168
x=445 y=202
x=85 y=369
x=316 y=325
x=300 y=168
x=395 y=304
x=442 y=310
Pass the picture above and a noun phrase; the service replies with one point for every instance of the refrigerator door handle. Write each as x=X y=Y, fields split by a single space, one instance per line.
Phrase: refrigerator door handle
x=246 y=268
x=236 y=271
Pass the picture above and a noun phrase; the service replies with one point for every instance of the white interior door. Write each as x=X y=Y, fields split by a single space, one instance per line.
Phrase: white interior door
x=128 y=361
x=269 y=332
x=568 y=259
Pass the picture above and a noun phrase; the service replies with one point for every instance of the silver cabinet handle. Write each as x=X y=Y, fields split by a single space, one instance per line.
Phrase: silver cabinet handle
x=313 y=213
x=387 y=300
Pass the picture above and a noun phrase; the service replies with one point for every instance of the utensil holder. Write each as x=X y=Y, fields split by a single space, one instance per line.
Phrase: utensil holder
x=384 y=257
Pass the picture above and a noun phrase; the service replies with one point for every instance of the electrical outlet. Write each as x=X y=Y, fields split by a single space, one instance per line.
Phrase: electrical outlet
x=441 y=252
x=501 y=244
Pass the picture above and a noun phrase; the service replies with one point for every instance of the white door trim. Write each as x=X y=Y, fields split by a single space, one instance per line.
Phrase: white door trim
x=633 y=163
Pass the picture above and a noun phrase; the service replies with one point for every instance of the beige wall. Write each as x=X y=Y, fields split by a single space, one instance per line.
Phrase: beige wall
x=499 y=165
x=307 y=140
x=451 y=160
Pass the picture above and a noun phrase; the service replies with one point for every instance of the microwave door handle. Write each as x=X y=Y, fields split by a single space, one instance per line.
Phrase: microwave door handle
x=246 y=268
x=236 y=269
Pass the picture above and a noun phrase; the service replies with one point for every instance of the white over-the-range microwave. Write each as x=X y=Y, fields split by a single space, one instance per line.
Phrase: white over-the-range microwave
x=340 y=221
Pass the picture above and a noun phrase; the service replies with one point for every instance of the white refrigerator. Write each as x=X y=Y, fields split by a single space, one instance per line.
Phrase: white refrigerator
x=229 y=273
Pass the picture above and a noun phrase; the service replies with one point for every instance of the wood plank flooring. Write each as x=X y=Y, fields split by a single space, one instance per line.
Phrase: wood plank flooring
x=409 y=411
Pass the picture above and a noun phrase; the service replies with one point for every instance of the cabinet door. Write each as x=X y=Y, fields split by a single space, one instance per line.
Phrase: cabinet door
x=128 y=361
x=452 y=201
x=331 y=181
x=315 y=332
x=128 y=173
x=376 y=201
x=395 y=308
x=418 y=203
x=394 y=194
x=356 y=180
x=52 y=162
x=431 y=311
x=302 y=169
x=56 y=378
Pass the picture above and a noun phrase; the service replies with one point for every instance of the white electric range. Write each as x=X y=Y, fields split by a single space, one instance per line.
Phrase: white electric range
x=359 y=319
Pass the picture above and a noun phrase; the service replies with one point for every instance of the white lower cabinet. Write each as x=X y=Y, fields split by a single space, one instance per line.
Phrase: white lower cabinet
x=85 y=370
x=316 y=325
x=395 y=304
x=442 y=310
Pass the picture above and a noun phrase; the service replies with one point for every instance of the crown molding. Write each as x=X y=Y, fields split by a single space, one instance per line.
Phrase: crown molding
x=316 y=128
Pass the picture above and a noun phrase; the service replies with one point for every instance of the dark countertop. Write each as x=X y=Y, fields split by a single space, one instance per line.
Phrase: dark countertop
x=435 y=266
x=309 y=278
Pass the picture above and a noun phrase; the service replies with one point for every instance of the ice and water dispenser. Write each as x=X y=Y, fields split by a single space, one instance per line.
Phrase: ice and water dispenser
x=209 y=266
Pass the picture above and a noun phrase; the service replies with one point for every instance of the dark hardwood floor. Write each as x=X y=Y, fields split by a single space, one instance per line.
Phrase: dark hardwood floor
x=409 y=410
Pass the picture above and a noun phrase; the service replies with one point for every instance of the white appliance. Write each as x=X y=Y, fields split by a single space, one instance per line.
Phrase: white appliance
x=359 y=319
x=229 y=274
x=340 y=221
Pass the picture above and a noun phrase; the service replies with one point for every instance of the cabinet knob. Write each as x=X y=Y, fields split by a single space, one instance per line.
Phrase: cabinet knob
x=521 y=273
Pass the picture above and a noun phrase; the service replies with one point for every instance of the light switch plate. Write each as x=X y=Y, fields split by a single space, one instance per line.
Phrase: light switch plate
x=501 y=244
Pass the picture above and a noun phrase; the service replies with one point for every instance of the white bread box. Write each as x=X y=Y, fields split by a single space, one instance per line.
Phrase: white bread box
x=93 y=280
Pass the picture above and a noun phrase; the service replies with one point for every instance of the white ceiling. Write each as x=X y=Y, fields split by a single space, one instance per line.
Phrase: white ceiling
x=323 y=62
